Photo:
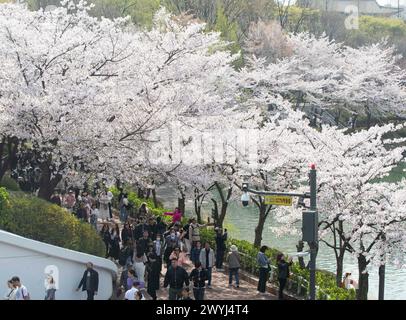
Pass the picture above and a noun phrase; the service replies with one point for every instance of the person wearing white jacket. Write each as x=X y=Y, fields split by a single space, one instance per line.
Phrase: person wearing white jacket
x=207 y=260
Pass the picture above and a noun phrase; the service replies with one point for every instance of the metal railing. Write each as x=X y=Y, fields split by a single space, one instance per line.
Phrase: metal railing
x=296 y=285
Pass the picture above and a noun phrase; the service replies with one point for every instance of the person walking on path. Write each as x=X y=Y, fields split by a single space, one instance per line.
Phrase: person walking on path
x=11 y=291
x=123 y=204
x=158 y=249
x=233 y=266
x=194 y=231
x=263 y=263
x=22 y=292
x=139 y=265
x=50 y=288
x=199 y=277
x=207 y=260
x=70 y=201
x=175 y=278
x=105 y=235
x=94 y=216
x=89 y=282
x=154 y=273
x=195 y=253
x=220 y=248
x=104 y=206
x=283 y=272
x=131 y=293
x=171 y=242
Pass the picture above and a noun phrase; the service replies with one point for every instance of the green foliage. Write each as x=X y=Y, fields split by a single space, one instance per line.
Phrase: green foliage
x=137 y=202
x=372 y=29
x=9 y=183
x=140 y=11
x=40 y=220
x=4 y=200
x=229 y=33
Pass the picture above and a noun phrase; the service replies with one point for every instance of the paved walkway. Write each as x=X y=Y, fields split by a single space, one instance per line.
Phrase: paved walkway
x=221 y=291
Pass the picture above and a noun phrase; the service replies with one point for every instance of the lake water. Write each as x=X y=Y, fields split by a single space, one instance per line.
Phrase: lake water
x=241 y=222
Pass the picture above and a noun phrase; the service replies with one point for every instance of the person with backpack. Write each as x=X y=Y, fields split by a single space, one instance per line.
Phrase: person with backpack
x=22 y=292
x=283 y=272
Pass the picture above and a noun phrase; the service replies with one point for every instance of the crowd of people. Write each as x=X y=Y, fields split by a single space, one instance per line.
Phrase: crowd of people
x=145 y=244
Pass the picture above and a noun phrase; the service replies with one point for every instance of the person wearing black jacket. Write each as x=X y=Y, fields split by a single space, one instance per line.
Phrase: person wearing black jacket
x=199 y=277
x=126 y=233
x=175 y=277
x=283 y=272
x=144 y=242
x=89 y=282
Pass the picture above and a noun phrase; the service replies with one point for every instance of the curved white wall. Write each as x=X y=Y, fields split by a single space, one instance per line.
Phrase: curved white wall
x=30 y=260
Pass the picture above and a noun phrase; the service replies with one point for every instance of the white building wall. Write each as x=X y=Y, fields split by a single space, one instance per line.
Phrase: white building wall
x=30 y=260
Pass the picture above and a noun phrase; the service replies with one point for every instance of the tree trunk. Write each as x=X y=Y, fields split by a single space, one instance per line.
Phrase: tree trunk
x=154 y=199
x=148 y=193
x=224 y=204
x=260 y=226
x=8 y=154
x=181 y=205
x=47 y=184
x=215 y=212
x=362 y=293
x=339 y=269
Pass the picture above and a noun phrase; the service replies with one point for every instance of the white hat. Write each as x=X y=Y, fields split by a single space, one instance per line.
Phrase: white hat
x=233 y=248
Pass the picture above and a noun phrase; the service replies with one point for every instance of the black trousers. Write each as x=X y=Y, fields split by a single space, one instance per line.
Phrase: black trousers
x=110 y=211
x=282 y=283
x=219 y=259
x=263 y=277
x=90 y=295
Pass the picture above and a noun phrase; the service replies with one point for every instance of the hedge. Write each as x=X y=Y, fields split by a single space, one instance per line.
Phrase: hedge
x=40 y=220
x=9 y=183
x=4 y=199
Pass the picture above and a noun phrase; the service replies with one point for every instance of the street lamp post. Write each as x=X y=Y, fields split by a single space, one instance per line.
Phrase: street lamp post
x=309 y=221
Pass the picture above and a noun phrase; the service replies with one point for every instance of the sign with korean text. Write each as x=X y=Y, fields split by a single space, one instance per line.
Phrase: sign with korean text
x=278 y=200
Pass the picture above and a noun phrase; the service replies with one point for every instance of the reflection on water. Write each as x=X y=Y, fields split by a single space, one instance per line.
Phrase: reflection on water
x=242 y=222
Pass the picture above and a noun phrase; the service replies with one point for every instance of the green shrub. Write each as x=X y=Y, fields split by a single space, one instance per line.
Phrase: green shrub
x=4 y=200
x=40 y=220
x=9 y=183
